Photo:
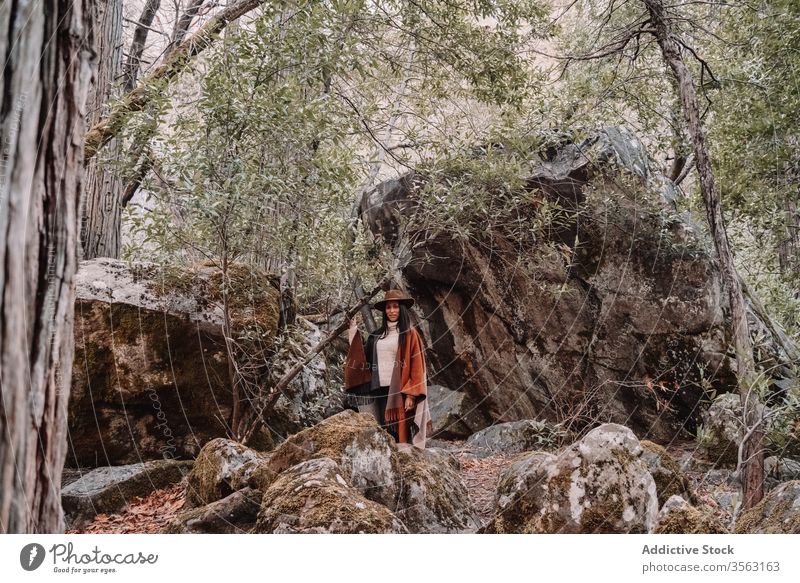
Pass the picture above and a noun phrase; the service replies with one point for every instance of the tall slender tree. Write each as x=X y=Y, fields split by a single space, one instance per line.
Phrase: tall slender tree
x=752 y=461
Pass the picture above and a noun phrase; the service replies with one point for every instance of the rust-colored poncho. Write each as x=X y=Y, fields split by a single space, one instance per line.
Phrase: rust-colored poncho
x=409 y=378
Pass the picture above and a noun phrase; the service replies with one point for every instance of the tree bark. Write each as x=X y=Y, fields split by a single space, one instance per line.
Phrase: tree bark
x=47 y=69
x=134 y=62
x=101 y=216
x=752 y=469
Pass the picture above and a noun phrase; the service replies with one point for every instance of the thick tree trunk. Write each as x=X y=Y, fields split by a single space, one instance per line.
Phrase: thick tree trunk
x=101 y=216
x=46 y=66
x=752 y=470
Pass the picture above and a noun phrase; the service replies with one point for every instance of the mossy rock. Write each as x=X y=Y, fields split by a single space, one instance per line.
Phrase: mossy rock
x=667 y=473
x=223 y=467
x=777 y=513
x=433 y=497
x=679 y=517
x=314 y=497
x=366 y=454
x=597 y=485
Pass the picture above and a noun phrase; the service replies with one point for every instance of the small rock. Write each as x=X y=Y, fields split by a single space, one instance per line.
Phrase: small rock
x=778 y=470
x=233 y=514
x=222 y=467
x=515 y=437
x=670 y=479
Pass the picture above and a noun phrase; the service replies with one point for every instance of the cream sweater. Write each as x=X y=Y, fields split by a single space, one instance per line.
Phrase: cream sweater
x=387 y=354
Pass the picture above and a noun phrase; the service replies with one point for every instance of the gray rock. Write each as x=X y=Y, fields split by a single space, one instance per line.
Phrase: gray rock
x=597 y=485
x=109 y=489
x=515 y=437
x=234 y=514
x=777 y=513
x=434 y=498
x=778 y=470
x=315 y=497
x=722 y=430
x=454 y=414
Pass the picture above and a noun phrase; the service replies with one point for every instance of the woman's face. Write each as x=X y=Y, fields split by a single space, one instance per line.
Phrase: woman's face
x=392 y=311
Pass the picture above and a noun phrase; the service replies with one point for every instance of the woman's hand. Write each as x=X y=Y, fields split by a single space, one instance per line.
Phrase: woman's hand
x=410 y=401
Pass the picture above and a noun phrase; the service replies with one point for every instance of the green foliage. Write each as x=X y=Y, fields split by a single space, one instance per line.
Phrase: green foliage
x=263 y=164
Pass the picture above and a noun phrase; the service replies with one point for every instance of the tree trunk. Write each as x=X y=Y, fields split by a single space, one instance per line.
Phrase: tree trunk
x=46 y=66
x=101 y=216
x=752 y=467
x=134 y=61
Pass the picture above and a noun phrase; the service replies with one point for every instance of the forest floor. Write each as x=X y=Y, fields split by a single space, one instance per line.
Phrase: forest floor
x=149 y=514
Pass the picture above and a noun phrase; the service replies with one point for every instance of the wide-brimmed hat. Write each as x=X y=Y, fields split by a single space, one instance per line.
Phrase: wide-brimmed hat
x=394 y=295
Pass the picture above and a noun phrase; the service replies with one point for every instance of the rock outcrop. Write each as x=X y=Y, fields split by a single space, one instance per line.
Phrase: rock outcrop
x=150 y=377
x=454 y=414
x=615 y=312
x=597 y=485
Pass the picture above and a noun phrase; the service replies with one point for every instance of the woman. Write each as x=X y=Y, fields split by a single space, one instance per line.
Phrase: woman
x=387 y=376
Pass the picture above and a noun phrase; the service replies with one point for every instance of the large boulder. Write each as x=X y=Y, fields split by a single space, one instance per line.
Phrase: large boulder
x=433 y=498
x=669 y=477
x=150 y=377
x=365 y=454
x=515 y=437
x=677 y=516
x=234 y=514
x=223 y=467
x=777 y=513
x=597 y=485
x=614 y=310
x=314 y=497
x=109 y=489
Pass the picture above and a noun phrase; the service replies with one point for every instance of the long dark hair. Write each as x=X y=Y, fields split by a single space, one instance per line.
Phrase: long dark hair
x=403 y=324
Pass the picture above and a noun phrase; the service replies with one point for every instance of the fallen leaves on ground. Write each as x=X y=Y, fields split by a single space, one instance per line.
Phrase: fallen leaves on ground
x=142 y=515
